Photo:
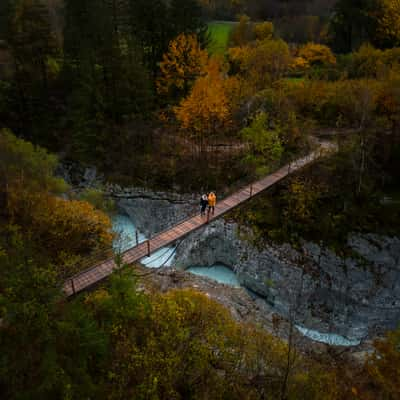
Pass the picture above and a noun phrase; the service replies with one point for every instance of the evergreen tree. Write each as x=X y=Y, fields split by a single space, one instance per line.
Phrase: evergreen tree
x=48 y=350
x=104 y=63
x=150 y=26
x=6 y=10
x=352 y=24
x=33 y=48
x=186 y=16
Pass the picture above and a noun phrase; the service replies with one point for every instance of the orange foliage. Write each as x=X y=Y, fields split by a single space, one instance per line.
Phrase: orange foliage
x=389 y=22
x=73 y=227
x=207 y=108
x=181 y=65
x=262 y=62
x=238 y=56
x=243 y=32
x=313 y=54
x=264 y=30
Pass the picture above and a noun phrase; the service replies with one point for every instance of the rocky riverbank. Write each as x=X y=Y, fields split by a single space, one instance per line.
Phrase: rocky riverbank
x=357 y=297
x=245 y=308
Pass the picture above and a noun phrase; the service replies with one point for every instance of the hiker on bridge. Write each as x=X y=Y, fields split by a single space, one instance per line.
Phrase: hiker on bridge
x=203 y=204
x=212 y=201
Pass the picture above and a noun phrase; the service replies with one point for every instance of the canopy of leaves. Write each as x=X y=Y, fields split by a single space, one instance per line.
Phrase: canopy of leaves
x=243 y=32
x=181 y=65
x=49 y=349
x=383 y=365
x=388 y=24
x=316 y=55
x=62 y=228
x=26 y=166
x=261 y=62
x=264 y=30
x=265 y=143
x=207 y=109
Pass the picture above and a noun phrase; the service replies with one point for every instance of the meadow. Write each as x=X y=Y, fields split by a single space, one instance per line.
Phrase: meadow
x=219 y=33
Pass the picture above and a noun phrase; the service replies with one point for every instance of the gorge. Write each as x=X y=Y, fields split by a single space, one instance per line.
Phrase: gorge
x=330 y=299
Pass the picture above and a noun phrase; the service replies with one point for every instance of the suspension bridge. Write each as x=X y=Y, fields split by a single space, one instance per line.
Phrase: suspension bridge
x=100 y=271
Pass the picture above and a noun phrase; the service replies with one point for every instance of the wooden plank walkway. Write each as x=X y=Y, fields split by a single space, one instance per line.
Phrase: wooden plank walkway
x=99 y=272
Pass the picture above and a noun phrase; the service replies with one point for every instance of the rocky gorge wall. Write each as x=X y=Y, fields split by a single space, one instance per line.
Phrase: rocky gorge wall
x=356 y=297
x=353 y=297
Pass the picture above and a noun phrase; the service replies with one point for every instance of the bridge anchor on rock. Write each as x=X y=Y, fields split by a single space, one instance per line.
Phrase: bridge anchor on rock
x=90 y=277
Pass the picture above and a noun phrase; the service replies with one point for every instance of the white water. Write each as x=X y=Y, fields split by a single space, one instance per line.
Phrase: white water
x=126 y=231
x=329 y=338
x=218 y=273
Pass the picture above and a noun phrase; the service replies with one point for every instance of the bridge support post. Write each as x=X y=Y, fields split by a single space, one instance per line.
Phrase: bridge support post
x=137 y=237
x=251 y=190
x=148 y=248
x=72 y=286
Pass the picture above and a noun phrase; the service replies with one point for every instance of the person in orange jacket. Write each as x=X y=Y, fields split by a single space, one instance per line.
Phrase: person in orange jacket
x=212 y=201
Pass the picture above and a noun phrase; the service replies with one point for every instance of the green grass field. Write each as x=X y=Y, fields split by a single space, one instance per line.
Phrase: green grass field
x=219 y=32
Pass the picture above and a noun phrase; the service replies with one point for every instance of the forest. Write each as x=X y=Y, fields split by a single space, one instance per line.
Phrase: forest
x=187 y=95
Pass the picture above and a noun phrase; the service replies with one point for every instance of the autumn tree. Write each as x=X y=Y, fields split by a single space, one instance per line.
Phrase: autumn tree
x=264 y=30
x=313 y=55
x=156 y=22
x=317 y=55
x=68 y=227
x=383 y=365
x=181 y=65
x=25 y=170
x=207 y=109
x=243 y=32
x=261 y=62
x=388 y=23
x=367 y=62
x=172 y=345
x=63 y=228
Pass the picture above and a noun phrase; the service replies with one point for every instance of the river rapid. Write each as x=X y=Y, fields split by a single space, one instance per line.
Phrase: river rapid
x=128 y=236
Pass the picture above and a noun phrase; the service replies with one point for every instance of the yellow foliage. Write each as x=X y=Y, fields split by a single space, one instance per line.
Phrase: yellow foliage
x=243 y=32
x=383 y=365
x=262 y=62
x=299 y=64
x=389 y=22
x=237 y=57
x=75 y=227
x=65 y=229
x=313 y=54
x=181 y=65
x=264 y=30
x=368 y=61
x=207 y=108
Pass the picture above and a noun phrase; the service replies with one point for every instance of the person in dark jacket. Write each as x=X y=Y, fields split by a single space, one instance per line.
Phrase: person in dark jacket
x=203 y=204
